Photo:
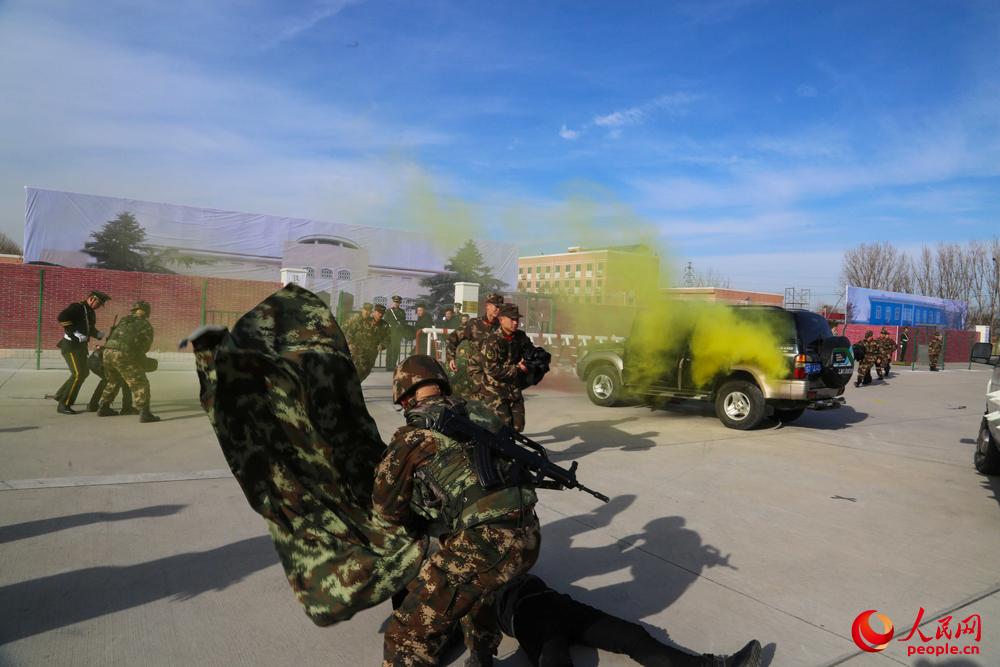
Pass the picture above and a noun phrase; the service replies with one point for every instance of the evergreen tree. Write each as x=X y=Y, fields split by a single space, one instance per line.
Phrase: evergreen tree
x=8 y=246
x=466 y=265
x=120 y=245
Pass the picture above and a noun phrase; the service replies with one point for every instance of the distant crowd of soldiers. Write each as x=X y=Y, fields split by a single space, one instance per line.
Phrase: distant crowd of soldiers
x=485 y=355
x=878 y=352
x=120 y=363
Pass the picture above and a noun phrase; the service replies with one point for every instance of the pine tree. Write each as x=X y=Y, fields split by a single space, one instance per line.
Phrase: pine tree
x=466 y=265
x=120 y=245
x=8 y=246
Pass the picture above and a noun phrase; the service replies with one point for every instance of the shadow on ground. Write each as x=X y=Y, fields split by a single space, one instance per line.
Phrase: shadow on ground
x=20 y=531
x=654 y=567
x=39 y=605
x=594 y=436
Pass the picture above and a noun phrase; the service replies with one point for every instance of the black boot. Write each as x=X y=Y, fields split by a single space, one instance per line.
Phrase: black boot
x=128 y=411
x=145 y=416
x=106 y=411
x=93 y=407
x=64 y=409
x=748 y=656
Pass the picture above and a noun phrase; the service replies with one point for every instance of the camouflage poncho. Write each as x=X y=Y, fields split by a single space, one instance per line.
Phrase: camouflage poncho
x=286 y=405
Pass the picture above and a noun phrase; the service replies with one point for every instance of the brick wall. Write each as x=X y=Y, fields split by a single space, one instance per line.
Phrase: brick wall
x=176 y=301
x=958 y=343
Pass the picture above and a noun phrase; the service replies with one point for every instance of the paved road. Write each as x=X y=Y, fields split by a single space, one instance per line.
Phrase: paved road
x=126 y=543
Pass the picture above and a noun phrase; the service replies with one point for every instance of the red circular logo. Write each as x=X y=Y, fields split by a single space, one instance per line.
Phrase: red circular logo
x=866 y=637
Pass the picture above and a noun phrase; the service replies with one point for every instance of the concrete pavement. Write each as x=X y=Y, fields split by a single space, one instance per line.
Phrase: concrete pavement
x=126 y=543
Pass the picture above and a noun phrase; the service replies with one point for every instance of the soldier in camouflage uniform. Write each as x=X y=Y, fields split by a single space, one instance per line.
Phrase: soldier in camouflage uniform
x=865 y=365
x=504 y=374
x=427 y=482
x=366 y=337
x=934 y=349
x=886 y=346
x=123 y=355
x=463 y=347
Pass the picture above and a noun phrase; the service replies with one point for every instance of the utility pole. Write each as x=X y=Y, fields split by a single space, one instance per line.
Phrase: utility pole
x=689 y=276
x=797 y=298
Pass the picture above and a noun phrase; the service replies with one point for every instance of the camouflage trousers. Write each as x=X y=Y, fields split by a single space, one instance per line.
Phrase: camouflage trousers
x=933 y=358
x=119 y=370
x=865 y=371
x=457 y=584
x=509 y=410
x=364 y=361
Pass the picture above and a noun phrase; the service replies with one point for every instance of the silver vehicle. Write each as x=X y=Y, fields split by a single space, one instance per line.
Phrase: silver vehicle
x=987 y=456
x=819 y=366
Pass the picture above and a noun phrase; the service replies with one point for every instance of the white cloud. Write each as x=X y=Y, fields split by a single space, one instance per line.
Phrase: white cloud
x=674 y=104
x=299 y=24
x=92 y=116
x=568 y=134
x=806 y=90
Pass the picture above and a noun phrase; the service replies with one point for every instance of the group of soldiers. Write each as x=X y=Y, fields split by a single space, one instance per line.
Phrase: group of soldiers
x=428 y=482
x=878 y=352
x=485 y=357
x=120 y=364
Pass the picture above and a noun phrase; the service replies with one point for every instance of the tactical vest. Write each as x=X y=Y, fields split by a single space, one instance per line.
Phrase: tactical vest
x=446 y=490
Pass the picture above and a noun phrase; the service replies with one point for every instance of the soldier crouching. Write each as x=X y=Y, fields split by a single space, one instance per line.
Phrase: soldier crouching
x=123 y=354
x=428 y=481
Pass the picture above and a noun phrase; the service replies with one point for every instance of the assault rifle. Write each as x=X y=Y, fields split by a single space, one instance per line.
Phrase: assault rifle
x=532 y=466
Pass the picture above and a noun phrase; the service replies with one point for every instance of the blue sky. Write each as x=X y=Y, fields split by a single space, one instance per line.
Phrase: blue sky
x=756 y=139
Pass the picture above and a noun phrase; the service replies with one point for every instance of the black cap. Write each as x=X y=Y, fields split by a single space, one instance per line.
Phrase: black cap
x=396 y=298
x=99 y=295
x=510 y=310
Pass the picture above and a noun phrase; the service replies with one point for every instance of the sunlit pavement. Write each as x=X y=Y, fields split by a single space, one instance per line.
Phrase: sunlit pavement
x=126 y=543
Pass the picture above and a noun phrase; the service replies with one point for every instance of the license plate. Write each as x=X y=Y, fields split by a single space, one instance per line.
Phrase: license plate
x=812 y=369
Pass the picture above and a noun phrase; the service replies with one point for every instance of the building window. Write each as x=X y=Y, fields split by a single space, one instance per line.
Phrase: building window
x=310 y=272
x=878 y=313
x=567 y=268
x=529 y=270
x=344 y=274
x=326 y=273
x=380 y=299
x=590 y=267
x=589 y=283
x=577 y=283
x=578 y=267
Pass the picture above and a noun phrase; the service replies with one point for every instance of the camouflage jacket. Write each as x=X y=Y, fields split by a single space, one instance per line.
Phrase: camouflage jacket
x=285 y=402
x=426 y=476
x=887 y=345
x=132 y=336
x=934 y=345
x=872 y=349
x=475 y=330
x=500 y=356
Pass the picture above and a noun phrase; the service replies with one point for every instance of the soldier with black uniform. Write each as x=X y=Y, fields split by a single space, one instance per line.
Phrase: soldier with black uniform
x=79 y=323
x=504 y=374
x=427 y=481
x=395 y=317
x=124 y=354
x=464 y=343
x=904 y=342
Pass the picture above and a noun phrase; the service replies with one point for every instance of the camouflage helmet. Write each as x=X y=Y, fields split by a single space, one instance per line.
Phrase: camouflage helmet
x=884 y=330
x=415 y=371
x=494 y=298
x=141 y=305
x=869 y=333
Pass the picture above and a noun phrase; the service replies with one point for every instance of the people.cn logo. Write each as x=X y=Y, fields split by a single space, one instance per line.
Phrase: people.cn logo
x=866 y=637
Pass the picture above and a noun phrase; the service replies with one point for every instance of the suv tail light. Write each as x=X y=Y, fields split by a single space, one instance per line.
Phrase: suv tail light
x=800 y=368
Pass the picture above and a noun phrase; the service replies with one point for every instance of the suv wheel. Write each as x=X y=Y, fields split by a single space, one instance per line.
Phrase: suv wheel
x=987 y=456
x=789 y=415
x=740 y=404
x=604 y=386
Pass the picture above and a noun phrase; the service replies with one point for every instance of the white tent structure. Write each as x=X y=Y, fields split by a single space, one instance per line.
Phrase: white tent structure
x=371 y=263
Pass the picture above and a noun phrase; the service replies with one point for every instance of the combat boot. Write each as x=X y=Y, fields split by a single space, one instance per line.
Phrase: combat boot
x=146 y=416
x=128 y=411
x=748 y=656
x=106 y=411
x=64 y=409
